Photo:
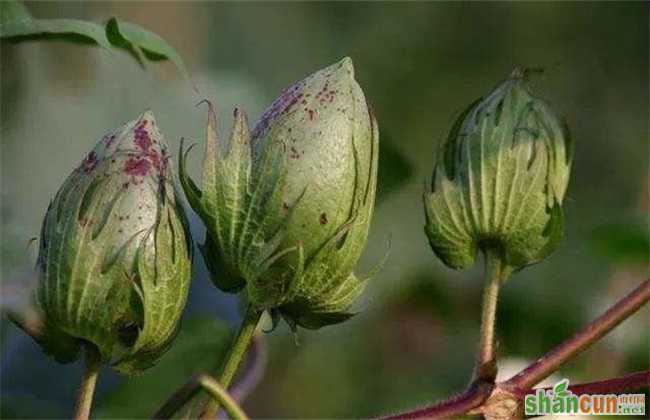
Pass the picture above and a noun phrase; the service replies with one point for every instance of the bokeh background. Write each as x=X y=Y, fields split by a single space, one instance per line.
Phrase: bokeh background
x=419 y=65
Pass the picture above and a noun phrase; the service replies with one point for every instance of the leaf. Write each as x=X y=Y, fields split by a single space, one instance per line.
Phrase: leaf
x=142 y=43
x=16 y=24
x=200 y=346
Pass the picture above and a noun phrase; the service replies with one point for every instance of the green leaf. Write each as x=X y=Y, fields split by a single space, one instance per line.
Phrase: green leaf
x=16 y=24
x=200 y=346
x=142 y=43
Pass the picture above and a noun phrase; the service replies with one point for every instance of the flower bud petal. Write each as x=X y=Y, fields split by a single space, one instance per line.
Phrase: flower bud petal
x=114 y=253
x=287 y=209
x=500 y=179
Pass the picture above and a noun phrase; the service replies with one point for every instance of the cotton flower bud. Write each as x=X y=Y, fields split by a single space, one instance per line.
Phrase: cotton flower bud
x=500 y=179
x=114 y=258
x=288 y=207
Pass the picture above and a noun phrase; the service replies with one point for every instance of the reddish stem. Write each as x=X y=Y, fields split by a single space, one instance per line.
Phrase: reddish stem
x=473 y=397
x=575 y=345
x=624 y=384
x=479 y=392
x=253 y=371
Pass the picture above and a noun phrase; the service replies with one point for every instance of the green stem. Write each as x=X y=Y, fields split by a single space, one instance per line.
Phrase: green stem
x=88 y=382
x=235 y=356
x=496 y=273
x=220 y=395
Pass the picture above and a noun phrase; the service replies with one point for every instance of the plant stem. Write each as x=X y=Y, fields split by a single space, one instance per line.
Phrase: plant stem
x=480 y=393
x=247 y=382
x=621 y=385
x=253 y=371
x=473 y=397
x=235 y=356
x=584 y=338
x=88 y=382
x=496 y=273
x=220 y=395
x=178 y=399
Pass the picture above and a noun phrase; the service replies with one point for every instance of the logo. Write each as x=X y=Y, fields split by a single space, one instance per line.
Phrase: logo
x=560 y=400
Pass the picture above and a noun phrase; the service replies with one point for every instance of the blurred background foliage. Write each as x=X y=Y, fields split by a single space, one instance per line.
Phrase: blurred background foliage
x=419 y=65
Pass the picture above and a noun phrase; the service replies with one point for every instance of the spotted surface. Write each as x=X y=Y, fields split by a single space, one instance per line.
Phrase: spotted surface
x=320 y=121
x=114 y=256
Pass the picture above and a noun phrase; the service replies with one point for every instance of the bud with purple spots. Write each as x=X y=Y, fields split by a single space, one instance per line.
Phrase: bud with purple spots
x=114 y=258
x=288 y=206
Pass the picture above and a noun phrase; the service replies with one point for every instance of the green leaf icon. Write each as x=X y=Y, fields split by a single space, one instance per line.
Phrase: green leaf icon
x=560 y=389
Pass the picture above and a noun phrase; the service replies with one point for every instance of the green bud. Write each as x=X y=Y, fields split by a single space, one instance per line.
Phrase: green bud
x=500 y=179
x=288 y=207
x=114 y=256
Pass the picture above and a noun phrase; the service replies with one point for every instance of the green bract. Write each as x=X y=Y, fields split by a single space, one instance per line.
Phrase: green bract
x=114 y=256
x=287 y=207
x=500 y=179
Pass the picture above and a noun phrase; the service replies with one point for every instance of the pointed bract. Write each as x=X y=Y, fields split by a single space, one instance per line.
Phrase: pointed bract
x=500 y=179
x=114 y=256
x=289 y=209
